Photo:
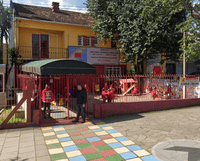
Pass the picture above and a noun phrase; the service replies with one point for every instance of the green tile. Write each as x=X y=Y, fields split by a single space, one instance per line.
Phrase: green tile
x=93 y=156
x=114 y=158
x=72 y=130
x=80 y=126
x=50 y=137
x=52 y=146
x=77 y=137
x=84 y=146
x=58 y=156
x=103 y=148
x=86 y=132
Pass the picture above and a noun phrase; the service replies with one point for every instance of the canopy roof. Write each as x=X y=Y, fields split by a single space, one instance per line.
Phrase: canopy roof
x=58 y=66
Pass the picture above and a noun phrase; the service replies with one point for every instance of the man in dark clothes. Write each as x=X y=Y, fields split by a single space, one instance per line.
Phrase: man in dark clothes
x=81 y=96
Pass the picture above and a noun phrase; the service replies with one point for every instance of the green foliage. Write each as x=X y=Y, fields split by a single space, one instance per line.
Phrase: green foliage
x=13 y=55
x=191 y=25
x=124 y=21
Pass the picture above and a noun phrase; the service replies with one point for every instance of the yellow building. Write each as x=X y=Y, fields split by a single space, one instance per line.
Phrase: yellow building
x=51 y=33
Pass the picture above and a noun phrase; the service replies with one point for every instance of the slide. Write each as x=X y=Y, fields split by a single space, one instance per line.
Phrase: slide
x=131 y=87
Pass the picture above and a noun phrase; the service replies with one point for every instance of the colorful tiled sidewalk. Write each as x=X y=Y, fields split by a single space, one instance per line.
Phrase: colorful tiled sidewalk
x=95 y=141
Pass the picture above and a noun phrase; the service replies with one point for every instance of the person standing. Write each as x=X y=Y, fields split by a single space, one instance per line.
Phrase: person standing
x=47 y=98
x=81 y=96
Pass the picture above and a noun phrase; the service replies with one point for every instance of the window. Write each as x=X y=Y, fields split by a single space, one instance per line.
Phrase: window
x=88 y=41
x=80 y=40
x=96 y=43
x=113 y=71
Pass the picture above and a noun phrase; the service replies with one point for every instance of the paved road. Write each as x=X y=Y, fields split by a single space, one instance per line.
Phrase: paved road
x=148 y=129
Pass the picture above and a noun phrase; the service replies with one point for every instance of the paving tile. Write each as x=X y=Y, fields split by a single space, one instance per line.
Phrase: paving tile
x=141 y=153
x=11 y=155
x=99 y=159
x=101 y=133
x=73 y=154
x=116 y=157
x=46 y=128
x=58 y=157
x=93 y=127
x=29 y=159
x=81 y=141
x=50 y=137
x=77 y=137
x=80 y=126
x=84 y=146
x=25 y=144
x=67 y=143
x=26 y=155
x=65 y=139
x=100 y=123
x=106 y=128
x=134 y=147
x=72 y=130
x=88 y=150
x=53 y=141
x=89 y=124
x=95 y=121
x=93 y=156
x=112 y=131
x=63 y=135
x=60 y=132
x=98 y=143
x=93 y=139
x=44 y=158
x=42 y=152
x=78 y=158
x=128 y=155
x=105 y=137
x=10 y=144
x=116 y=135
x=23 y=140
x=89 y=135
x=128 y=142
x=83 y=129
x=104 y=125
x=56 y=151
x=122 y=150
x=109 y=141
x=115 y=145
x=108 y=153
x=10 y=149
x=103 y=148
x=86 y=132
x=135 y=159
x=149 y=158
x=15 y=139
x=97 y=130
x=26 y=149
x=123 y=138
x=57 y=126
x=59 y=129
x=70 y=148
x=62 y=160
x=39 y=137
x=75 y=134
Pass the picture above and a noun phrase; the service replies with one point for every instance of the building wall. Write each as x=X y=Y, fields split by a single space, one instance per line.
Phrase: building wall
x=4 y=53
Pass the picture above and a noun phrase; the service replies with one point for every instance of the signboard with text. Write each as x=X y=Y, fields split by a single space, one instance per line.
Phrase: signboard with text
x=189 y=81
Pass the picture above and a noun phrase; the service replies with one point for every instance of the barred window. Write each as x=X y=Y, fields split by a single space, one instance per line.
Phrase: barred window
x=96 y=42
x=80 y=40
x=88 y=41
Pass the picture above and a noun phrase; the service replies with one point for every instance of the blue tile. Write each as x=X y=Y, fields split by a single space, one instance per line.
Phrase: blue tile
x=58 y=126
x=93 y=139
x=149 y=158
x=112 y=131
x=97 y=130
x=134 y=147
x=95 y=121
x=65 y=139
x=115 y=145
x=70 y=148
x=104 y=125
x=128 y=155
x=123 y=138
x=60 y=132
x=78 y=158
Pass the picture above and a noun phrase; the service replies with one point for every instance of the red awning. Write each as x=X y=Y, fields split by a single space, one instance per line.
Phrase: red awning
x=127 y=81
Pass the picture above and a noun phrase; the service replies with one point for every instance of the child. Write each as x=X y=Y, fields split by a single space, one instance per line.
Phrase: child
x=154 y=93
x=106 y=86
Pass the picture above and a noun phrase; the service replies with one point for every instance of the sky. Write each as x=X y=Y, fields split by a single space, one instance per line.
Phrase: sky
x=72 y=5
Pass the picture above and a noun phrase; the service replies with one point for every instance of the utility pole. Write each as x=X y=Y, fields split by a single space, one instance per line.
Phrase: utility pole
x=184 y=69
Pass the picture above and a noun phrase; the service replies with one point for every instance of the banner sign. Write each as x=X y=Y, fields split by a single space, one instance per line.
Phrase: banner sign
x=47 y=95
x=189 y=81
x=103 y=56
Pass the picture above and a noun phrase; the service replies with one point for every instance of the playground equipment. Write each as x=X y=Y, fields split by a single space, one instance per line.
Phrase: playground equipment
x=126 y=85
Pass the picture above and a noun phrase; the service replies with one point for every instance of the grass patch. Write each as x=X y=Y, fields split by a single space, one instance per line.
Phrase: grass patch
x=13 y=119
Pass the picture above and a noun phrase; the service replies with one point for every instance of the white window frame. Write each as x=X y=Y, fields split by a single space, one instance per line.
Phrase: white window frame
x=112 y=69
x=87 y=41
x=81 y=40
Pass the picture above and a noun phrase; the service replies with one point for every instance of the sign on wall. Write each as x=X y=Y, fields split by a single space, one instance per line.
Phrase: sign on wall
x=189 y=81
x=101 y=56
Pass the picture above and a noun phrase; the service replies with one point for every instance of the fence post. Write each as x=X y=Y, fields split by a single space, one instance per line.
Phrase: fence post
x=67 y=97
x=29 y=92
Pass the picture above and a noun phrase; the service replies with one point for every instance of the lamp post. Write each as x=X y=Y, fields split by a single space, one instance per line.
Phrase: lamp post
x=184 y=69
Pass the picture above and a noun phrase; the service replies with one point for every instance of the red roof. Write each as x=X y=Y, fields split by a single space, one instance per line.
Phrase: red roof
x=127 y=80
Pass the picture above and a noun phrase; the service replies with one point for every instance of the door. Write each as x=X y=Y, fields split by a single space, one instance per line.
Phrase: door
x=44 y=46
x=35 y=46
x=170 y=68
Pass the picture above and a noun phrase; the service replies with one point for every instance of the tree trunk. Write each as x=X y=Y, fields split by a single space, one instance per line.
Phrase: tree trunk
x=9 y=73
x=1 y=48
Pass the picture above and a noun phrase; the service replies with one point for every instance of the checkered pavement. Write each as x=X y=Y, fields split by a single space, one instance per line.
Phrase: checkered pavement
x=96 y=141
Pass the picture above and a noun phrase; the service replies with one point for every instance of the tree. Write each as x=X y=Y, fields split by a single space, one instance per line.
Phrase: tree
x=5 y=24
x=139 y=37
x=191 y=25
